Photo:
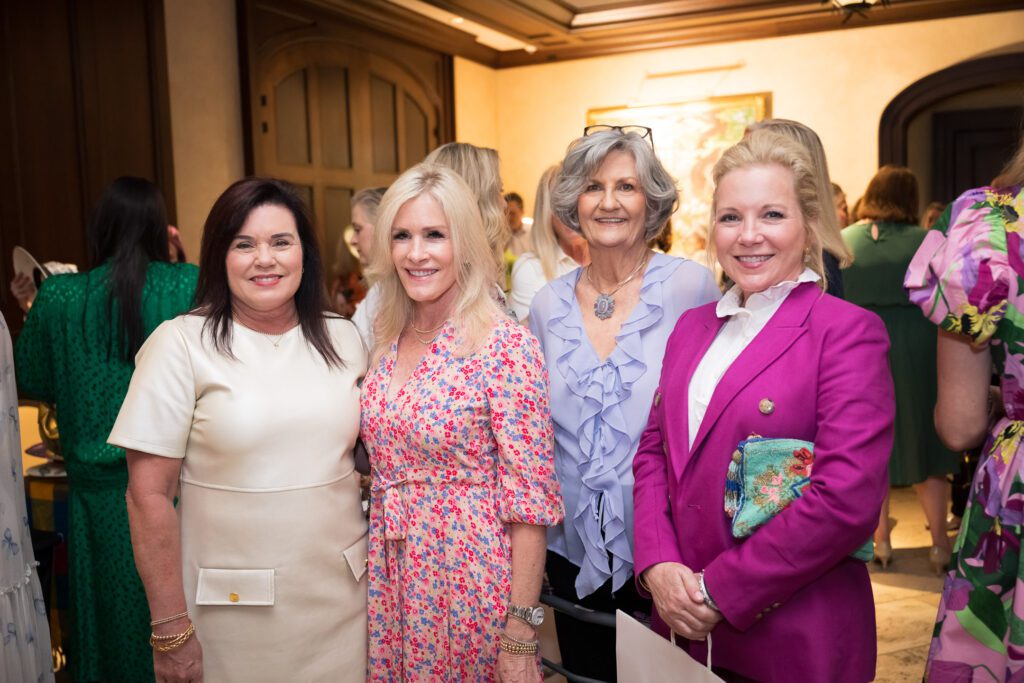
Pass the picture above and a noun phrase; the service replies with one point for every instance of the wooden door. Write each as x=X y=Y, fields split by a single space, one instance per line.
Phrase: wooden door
x=332 y=119
x=83 y=100
x=971 y=147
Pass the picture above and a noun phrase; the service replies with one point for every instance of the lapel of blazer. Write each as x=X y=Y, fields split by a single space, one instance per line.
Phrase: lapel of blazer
x=705 y=330
x=784 y=328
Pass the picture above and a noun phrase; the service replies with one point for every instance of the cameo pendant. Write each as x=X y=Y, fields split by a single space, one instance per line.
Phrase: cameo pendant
x=604 y=306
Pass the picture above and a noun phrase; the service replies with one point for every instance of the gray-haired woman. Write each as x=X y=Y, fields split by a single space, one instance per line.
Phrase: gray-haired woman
x=603 y=330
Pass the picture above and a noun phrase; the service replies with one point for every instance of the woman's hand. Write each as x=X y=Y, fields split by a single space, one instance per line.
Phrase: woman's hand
x=183 y=665
x=23 y=290
x=518 y=668
x=678 y=599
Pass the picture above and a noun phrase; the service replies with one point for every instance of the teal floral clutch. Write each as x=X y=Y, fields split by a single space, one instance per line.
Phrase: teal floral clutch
x=766 y=475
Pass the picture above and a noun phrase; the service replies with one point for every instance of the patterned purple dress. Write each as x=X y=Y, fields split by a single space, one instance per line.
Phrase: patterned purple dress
x=967 y=279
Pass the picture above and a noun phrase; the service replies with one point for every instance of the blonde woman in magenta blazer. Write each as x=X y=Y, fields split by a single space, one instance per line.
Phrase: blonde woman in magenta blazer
x=779 y=358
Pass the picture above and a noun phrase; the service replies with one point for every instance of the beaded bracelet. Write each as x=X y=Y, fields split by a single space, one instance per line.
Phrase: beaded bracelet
x=518 y=649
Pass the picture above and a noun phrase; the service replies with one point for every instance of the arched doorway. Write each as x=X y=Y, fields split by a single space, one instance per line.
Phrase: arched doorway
x=333 y=119
x=334 y=107
x=893 y=139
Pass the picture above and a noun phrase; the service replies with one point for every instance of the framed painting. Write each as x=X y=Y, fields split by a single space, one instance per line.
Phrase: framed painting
x=689 y=137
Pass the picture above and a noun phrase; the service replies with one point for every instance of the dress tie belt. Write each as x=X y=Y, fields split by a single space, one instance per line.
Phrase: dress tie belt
x=393 y=499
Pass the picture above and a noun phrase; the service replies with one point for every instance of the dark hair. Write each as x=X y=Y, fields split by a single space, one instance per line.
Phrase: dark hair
x=514 y=198
x=891 y=196
x=128 y=229
x=213 y=295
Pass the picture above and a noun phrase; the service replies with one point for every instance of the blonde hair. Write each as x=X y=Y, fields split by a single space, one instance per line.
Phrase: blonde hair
x=480 y=168
x=1013 y=172
x=543 y=240
x=474 y=311
x=766 y=147
x=830 y=232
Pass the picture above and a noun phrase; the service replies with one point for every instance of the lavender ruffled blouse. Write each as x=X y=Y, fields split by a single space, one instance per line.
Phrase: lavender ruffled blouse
x=600 y=409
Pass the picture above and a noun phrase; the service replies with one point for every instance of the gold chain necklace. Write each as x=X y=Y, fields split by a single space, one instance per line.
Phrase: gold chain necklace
x=432 y=329
x=604 y=304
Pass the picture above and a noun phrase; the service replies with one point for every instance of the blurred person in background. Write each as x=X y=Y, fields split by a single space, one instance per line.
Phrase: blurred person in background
x=480 y=168
x=77 y=351
x=364 y=215
x=519 y=241
x=842 y=210
x=931 y=214
x=554 y=250
x=883 y=243
x=347 y=288
x=26 y=646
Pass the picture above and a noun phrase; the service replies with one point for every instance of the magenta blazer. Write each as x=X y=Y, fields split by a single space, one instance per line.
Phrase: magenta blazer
x=795 y=605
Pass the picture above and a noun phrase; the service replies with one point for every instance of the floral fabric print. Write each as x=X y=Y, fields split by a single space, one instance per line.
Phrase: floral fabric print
x=460 y=451
x=967 y=279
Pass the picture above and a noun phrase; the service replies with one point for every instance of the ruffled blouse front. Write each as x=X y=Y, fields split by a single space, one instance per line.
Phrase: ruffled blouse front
x=600 y=408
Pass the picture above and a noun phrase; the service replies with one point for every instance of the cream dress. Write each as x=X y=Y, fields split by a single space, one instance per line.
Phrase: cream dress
x=273 y=540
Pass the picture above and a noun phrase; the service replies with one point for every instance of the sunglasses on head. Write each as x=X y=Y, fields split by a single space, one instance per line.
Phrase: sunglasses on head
x=642 y=131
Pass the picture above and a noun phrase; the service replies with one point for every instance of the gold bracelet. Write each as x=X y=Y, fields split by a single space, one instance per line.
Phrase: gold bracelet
x=643 y=582
x=504 y=634
x=169 y=619
x=516 y=648
x=171 y=642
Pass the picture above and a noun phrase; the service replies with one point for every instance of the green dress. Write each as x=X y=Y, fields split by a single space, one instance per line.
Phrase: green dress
x=65 y=355
x=875 y=282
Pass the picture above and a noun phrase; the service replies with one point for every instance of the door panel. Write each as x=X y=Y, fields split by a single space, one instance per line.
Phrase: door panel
x=335 y=107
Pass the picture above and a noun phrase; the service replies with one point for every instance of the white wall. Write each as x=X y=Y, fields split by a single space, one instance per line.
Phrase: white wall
x=206 y=108
x=837 y=82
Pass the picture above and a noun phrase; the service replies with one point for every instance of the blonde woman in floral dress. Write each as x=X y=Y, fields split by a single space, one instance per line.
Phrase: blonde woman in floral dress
x=967 y=279
x=456 y=419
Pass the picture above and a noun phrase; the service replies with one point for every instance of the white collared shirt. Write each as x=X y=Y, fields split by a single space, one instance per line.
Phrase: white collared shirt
x=744 y=322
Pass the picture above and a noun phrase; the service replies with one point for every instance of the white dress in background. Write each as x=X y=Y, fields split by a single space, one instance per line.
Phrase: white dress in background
x=24 y=632
x=528 y=279
x=273 y=535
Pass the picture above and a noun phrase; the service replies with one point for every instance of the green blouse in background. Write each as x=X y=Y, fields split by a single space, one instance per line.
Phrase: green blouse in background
x=67 y=354
x=875 y=282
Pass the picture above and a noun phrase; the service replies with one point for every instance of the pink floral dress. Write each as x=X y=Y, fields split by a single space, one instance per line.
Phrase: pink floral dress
x=461 y=450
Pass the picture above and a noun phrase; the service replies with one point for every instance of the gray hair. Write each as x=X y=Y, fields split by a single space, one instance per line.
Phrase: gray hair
x=585 y=156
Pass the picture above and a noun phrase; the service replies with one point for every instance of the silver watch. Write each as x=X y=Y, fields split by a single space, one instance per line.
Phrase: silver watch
x=534 y=616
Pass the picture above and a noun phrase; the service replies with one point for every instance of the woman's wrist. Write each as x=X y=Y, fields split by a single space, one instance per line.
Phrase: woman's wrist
x=704 y=593
x=519 y=629
x=177 y=625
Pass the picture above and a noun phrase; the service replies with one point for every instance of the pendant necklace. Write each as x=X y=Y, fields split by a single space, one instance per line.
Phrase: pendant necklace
x=274 y=339
x=604 y=304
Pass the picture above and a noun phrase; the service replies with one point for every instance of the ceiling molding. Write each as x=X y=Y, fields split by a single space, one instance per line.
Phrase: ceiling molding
x=575 y=29
x=564 y=30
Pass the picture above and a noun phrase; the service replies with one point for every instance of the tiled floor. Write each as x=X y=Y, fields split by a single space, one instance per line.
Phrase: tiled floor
x=906 y=598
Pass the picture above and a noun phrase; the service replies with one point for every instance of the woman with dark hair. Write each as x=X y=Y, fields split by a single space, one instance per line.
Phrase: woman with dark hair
x=77 y=351
x=883 y=244
x=251 y=401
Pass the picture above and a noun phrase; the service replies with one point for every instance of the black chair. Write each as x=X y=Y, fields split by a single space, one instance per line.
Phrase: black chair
x=574 y=611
